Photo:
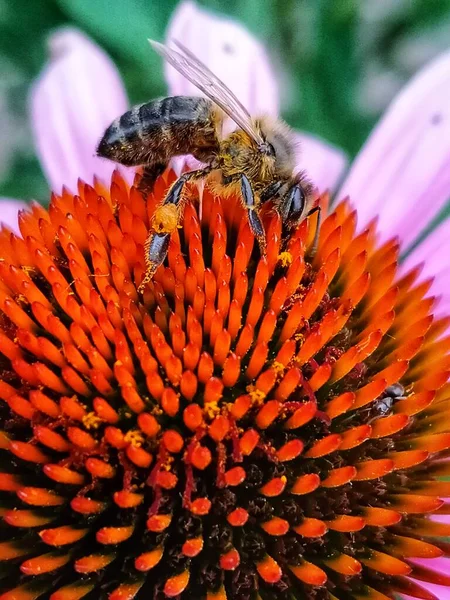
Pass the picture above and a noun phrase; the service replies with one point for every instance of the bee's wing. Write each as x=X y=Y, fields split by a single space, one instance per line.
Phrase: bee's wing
x=203 y=78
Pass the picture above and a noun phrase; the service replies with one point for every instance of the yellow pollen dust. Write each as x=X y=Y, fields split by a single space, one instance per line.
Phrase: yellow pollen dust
x=134 y=437
x=92 y=421
x=278 y=367
x=285 y=258
x=165 y=219
x=211 y=409
x=256 y=395
x=167 y=465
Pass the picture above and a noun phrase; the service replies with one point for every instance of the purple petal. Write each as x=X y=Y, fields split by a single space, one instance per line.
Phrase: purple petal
x=230 y=51
x=434 y=252
x=324 y=164
x=402 y=173
x=76 y=97
x=9 y=210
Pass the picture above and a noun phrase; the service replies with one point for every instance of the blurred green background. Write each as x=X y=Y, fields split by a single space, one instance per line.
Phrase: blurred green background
x=341 y=61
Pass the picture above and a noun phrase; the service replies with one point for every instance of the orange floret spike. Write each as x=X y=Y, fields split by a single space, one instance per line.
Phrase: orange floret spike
x=290 y=450
x=267 y=414
x=415 y=504
x=114 y=535
x=381 y=517
x=276 y=526
x=324 y=446
x=238 y=517
x=230 y=560
x=39 y=497
x=26 y=518
x=192 y=547
x=302 y=415
x=269 y=570
x=46 y=563
x=219 y=595
x=61 y=536
x=344 y=564
x=346 y=523
x=340 y=476
x=127 y=590
x=274 y=487
x=305 y=484
x=311 y=528
x=406 y=547
x=249 y=441
x=309 y=573
x=373 y=469
x=87 y=506
x=383 y=563
x=73 y=591
x=149 y=560
x=176 y=584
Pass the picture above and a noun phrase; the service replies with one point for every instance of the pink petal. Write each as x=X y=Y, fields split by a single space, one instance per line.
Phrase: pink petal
x=443 y=593
x=440 y=565
x=230 y=51
x=76 y=97
x=185 y=162
x=402 y=173
x=324 y=164
x=9 y=212
x=434 y=252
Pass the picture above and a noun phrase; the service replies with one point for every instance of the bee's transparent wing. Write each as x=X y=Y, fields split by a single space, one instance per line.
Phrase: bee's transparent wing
x=198 y=73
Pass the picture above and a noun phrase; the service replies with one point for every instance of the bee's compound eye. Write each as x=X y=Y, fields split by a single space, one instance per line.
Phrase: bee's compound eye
x=165 y=219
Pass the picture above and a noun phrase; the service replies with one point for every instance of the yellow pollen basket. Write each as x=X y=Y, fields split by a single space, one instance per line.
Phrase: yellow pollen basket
x=165 y=219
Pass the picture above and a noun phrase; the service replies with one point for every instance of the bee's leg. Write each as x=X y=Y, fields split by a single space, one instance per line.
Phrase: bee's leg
x=165 y=221
x=291 y=206
x=156 y=247
x=149 y=175
x=248 y=200
x=271 y=191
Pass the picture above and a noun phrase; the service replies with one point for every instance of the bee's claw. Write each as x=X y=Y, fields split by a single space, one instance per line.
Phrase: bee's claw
x=248 y=200
x=257 y=229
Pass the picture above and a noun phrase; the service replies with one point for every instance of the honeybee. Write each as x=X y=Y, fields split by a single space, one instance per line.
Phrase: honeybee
x=256 y=161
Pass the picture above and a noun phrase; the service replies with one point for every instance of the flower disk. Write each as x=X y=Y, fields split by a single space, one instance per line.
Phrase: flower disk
x=251 y=428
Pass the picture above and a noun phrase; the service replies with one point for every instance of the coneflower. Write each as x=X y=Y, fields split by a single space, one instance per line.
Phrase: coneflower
x=250 y=427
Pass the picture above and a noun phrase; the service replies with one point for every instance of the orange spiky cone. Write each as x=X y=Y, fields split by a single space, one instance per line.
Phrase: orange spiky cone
x=249 y=428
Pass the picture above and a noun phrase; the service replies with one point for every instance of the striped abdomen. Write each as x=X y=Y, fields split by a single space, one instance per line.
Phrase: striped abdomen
x=154 y=132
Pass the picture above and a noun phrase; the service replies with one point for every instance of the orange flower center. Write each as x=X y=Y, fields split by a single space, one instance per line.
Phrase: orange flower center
x=247 y=427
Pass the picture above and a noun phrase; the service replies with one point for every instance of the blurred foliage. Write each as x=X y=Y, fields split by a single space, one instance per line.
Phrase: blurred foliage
x=340 y=61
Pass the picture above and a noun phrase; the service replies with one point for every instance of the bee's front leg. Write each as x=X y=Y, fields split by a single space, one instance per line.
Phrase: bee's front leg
x=250 y=205
x=165 y=221
x=292 y=207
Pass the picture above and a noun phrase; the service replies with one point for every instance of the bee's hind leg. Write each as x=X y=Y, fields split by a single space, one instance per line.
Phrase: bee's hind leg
x=165 y=221
x=249 y=203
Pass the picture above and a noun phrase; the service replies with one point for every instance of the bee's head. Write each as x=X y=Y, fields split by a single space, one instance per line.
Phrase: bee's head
x=278 y=144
